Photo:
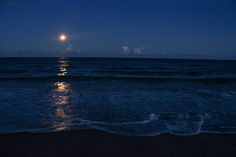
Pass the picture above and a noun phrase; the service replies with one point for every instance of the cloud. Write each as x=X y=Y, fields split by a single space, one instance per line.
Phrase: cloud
x=139 y=50
x=86 y=33
x=129 y=50
x=70 y=48
x=126 y=49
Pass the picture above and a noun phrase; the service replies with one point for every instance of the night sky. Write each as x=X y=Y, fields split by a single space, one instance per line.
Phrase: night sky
x=119 y=28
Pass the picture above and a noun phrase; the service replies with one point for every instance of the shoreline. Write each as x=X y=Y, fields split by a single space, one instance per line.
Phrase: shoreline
x=99 y=143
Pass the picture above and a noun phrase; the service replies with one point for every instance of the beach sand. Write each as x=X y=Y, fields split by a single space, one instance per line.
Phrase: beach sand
x=100 y=144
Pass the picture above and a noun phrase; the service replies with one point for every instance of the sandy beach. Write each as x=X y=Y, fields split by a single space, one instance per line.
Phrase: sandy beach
x=97 y=143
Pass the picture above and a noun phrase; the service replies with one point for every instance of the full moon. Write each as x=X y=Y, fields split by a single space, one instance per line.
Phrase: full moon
x=63 y=37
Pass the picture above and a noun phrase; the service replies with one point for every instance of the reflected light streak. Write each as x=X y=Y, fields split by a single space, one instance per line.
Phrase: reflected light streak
x=61 y=96
x=63 y=65
x=62 y=87
x=59 y=126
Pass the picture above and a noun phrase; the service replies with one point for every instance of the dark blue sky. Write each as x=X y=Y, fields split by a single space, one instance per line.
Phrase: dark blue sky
x=140 y=28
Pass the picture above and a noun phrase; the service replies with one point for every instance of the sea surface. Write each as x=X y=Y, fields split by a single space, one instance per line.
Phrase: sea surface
x=139 y=97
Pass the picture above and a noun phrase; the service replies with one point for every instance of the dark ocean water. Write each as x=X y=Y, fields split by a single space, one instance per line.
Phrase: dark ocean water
x=141 y=97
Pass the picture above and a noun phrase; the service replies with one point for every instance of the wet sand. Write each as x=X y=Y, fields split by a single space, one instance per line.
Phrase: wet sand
x=100 y=144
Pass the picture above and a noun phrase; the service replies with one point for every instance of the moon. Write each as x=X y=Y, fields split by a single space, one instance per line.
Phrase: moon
x=63 y=37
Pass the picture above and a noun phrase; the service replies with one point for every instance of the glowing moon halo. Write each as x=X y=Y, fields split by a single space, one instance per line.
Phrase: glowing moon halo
x=63 y=37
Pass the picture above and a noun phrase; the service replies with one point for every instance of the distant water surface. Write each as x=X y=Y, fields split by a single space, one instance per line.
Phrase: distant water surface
x=141 y=97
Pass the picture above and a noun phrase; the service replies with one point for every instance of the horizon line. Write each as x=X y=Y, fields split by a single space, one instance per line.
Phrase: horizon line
x=125 y=57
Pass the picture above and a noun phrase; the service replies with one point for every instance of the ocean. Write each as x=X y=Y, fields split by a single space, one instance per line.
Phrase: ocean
x=125 y=96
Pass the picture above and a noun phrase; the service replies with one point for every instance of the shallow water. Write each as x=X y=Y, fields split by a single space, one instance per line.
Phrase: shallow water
x=141 y=97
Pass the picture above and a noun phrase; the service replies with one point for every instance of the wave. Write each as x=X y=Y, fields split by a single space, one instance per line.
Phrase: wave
x=204 y=80
x=181 y=124
x=153 y=125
